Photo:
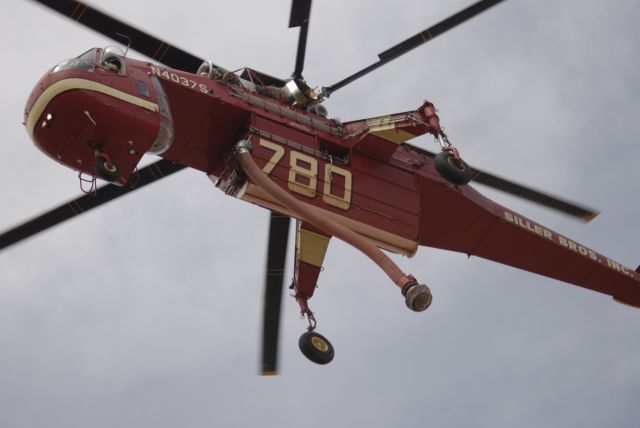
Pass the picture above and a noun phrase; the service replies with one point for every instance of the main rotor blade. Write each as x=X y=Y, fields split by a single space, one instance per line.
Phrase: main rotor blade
x=526 y=193
x=274 y=287
x=82 y=204
x=117 y=30
x=415 y=41
x=300 y=12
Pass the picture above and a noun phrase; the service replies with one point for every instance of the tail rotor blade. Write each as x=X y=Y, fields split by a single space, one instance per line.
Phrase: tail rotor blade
x=544 y=199
x=274 y=288
x=526 y=193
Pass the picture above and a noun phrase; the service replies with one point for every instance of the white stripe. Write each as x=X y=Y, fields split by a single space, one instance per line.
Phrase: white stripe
x=382 y=238
x=76 y=83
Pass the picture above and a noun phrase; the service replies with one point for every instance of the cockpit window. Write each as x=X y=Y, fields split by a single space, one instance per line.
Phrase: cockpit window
x=143 y=88
x=113 y=59
x=163 y=104
x=84 y=62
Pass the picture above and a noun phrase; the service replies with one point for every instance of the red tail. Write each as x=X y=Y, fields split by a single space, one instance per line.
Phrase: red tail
x=461 y=219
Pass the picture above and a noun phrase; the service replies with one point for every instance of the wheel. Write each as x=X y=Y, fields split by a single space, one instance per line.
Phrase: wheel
x=457 y=173
x=418 y=297
x=316 y=347
x=107 y=170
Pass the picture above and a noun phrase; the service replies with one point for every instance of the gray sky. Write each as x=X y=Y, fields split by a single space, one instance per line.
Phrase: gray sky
x=146 y=312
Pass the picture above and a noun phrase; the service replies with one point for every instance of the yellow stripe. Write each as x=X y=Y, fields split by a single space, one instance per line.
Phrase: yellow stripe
x=76 y=83
x=156 y=172
x=78 y=4
x=82 y=13
x=312 y=247
x=76 y=207
x=590 y=216
x=158 y=55
x=382 y=238
x=164 y=53
x=383 y=127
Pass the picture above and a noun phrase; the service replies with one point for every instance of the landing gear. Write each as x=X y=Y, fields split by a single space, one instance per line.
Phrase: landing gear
x=316 y=347
x=106 y=169
x=452 y=168
x=417 y=297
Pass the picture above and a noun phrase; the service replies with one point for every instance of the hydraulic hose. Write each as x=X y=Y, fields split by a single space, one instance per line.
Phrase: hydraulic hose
x=309 y=213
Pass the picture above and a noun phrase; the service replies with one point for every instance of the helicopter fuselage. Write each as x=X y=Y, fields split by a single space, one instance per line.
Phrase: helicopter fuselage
x=361 y=174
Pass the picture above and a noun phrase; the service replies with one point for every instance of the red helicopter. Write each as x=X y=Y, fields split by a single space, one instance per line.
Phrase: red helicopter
x=269 y=141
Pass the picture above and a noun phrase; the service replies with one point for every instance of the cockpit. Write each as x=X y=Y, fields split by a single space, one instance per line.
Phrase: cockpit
x=100 y=110
x=85 y=62
x=111 y=58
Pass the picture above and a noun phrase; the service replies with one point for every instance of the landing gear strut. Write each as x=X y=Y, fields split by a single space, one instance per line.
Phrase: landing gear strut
x=314 y=346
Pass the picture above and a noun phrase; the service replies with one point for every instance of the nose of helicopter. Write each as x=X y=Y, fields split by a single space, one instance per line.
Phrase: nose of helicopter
x=59 y=118
x=81 y=118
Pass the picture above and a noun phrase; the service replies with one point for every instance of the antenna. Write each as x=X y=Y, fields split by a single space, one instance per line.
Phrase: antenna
x=124 y=36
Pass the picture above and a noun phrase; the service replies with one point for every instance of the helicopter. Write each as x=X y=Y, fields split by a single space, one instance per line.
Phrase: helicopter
x=359 y=181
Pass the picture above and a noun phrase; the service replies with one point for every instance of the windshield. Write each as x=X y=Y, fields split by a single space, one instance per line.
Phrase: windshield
x=84 y=62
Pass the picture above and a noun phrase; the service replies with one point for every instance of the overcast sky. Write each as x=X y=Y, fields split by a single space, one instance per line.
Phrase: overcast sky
x=146 y=313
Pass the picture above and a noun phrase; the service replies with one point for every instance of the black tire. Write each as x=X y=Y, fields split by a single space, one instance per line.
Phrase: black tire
x=316 y=347
x=107 y=170
x=457 y=173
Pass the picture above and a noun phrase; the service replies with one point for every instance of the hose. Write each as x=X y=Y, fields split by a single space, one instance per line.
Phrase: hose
x=309 y=213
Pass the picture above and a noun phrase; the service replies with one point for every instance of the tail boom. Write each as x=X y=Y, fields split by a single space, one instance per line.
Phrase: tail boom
x=478 y=226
